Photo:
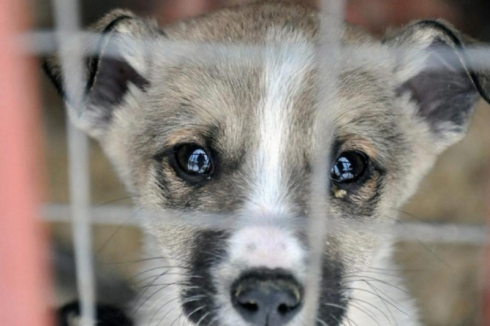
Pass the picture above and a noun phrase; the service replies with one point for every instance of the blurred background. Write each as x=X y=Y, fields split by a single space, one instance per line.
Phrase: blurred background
x=447 y=280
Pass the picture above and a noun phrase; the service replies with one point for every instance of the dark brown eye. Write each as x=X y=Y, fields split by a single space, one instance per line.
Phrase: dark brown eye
x=349 y=167
x=194 y=160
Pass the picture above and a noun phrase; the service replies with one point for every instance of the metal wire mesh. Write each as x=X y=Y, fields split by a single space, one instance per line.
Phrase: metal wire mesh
x=82 y=214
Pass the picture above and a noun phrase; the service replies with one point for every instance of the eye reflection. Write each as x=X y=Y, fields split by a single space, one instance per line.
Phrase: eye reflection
x=349 y=167
x=198 y=161
x=343 y=168
x=194 y=160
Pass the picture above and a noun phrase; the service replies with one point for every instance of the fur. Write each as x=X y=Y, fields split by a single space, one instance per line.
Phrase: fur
x=242 y=83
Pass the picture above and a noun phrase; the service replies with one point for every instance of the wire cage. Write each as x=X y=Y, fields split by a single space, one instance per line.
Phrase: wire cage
x=70 y=189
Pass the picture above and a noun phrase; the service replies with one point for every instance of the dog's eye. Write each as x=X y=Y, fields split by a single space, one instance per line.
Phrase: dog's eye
x=194 y=160
x=349 y=167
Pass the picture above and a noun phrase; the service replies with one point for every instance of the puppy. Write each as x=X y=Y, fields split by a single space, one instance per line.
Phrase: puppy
x=217 y=119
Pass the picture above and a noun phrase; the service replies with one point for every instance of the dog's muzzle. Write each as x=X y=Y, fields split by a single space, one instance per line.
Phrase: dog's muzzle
x=267 y=297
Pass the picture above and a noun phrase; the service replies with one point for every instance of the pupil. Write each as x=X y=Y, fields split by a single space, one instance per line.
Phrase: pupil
x=348 y=167
x=198 y=161
x=344 y=169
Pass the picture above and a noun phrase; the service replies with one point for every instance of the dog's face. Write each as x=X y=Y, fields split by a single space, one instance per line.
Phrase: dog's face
x=227 y=122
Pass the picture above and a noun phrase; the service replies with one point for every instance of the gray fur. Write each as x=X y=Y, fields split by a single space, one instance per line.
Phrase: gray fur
x=217 y=96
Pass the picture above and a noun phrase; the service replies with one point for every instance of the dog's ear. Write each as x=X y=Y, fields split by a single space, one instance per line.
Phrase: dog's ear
x=434 y=69
x=114 y=64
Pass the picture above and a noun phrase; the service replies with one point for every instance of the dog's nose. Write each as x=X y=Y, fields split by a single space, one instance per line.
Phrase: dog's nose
x=267 y=297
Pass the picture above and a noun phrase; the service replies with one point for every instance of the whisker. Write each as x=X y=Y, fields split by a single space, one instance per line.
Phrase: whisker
x=173 y=283
x=133 y=261
x=159 y=309
x=202 y=318
x=390 y=301
x=375 y=272
x=376 y=295
x=177 y=319
x=424 y=245
x=112 y=201
x=366 y=312
x=400 y=270
x=192 y=299
x=149 y=270
x=321 y=321
x=363 y=277
x=386 y=306
x=373 y=306
x=187 y=277
x=340 y=307
x=213 y=321
x=113 y=234
x=143 y=293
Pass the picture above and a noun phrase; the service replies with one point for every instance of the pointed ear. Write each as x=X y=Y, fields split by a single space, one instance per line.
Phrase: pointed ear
x=115 y=64
x=435 y=71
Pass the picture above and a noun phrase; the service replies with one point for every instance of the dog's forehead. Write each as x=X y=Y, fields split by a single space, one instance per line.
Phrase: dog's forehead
x=237 y=82
x=229 y=101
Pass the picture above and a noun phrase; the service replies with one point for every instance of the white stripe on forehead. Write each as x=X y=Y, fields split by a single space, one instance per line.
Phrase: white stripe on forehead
x=287 y=60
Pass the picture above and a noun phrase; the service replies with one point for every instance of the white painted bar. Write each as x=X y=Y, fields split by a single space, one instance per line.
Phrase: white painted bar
x=67 y=18
x=327 y=57
x=442 y=233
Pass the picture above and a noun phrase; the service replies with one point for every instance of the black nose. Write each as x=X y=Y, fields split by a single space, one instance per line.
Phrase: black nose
x=267 y=297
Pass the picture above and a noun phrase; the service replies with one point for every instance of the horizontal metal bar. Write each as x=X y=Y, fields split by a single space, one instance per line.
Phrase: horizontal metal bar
x=48 y=42
x=449 y=233
x=100 y=215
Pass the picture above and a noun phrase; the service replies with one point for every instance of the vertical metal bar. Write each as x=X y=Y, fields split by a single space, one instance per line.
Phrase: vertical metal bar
x=68 y=23
x=486 y=291
x=327 y=59
x=23 y=252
